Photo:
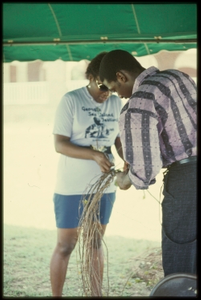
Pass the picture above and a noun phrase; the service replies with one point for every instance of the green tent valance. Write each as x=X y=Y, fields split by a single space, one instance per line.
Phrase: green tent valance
x=75 y=31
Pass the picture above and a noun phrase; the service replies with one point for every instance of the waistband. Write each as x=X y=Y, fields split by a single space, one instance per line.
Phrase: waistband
x=184 y=161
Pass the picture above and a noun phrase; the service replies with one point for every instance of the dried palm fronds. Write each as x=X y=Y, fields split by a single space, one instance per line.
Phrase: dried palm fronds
x=90 y=236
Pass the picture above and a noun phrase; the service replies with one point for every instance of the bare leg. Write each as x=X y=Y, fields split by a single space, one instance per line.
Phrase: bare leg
x=66 y=241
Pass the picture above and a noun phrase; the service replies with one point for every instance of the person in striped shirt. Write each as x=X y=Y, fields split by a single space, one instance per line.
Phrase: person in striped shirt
x=158 y=129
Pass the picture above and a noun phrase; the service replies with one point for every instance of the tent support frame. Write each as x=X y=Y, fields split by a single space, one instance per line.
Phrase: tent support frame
x=158 y=40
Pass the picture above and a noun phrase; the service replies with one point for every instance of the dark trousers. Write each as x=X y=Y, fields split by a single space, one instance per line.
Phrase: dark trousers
x=179 y=219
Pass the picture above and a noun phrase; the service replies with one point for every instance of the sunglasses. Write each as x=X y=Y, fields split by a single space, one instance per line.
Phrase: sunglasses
x=101 y=86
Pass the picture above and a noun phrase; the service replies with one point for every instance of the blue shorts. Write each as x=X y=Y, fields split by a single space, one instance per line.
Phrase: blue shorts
x=68 y=209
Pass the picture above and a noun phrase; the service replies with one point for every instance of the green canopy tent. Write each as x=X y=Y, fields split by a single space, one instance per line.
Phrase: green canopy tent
x=76 y=31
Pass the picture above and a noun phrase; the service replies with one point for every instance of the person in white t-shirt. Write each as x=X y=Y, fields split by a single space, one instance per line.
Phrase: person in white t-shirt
x=85 y=129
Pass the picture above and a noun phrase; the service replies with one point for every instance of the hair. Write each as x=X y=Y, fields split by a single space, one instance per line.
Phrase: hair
x=115 y=61
x=94 y=65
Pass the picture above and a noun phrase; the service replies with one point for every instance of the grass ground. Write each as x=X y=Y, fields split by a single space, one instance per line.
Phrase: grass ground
x=27 y=253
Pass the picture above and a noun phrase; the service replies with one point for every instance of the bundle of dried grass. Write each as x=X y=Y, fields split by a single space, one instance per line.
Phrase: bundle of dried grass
x=90 y=237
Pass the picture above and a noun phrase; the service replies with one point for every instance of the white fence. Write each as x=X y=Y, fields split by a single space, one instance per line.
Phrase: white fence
x=25 y=93
x=17 y=93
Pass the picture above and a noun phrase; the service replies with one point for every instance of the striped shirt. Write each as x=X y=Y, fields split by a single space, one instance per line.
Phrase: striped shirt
x=158 y=124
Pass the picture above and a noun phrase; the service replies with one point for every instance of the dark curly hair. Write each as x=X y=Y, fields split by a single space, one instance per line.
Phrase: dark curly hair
x=93 y=66
x=115 y=61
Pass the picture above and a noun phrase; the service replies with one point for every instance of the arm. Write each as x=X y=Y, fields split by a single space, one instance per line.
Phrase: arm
x=122 y=178
x=140 y=139
x=119 y=150
x=64 y=146
x=118 y=147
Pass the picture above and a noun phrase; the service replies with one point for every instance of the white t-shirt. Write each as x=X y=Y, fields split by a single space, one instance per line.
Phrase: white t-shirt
x=86 y=122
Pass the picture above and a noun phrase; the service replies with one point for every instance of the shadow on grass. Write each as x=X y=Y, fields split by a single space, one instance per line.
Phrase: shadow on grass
x=27 y=253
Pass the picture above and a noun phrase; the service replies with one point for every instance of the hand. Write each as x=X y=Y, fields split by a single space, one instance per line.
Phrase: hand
x=103 y=161
x=123 y=180
x=126 y=166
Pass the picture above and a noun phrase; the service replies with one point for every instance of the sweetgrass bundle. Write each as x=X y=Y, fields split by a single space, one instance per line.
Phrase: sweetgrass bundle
x=90 y=235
